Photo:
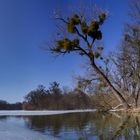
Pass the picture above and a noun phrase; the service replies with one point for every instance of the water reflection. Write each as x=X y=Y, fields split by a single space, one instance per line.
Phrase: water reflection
x=128 y=129
x=57 y=123
x=87 y=126
x=81 y=125
x=3 y=118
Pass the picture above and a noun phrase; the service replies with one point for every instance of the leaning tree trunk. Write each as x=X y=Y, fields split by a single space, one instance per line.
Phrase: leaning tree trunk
x=136 y=100
x=116 y=92
x=136 y=94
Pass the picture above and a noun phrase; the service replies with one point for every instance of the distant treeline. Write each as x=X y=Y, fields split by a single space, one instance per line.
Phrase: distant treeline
x=56 y=98
x=8 y=106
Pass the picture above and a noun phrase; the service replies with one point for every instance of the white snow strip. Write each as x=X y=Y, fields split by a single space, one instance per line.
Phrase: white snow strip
x=39 y=113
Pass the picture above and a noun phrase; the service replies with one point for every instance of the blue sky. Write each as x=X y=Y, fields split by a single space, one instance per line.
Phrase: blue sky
x=25 y=26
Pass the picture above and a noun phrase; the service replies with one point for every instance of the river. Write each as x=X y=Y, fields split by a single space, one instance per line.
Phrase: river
x=71 y=126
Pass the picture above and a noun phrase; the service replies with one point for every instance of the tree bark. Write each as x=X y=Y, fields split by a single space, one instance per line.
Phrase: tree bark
x=116 y=92
x=136 y=94
x=136 y=100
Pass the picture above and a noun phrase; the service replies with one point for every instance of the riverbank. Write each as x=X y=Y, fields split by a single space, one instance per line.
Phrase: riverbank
x=134 y=110
x=39 y=113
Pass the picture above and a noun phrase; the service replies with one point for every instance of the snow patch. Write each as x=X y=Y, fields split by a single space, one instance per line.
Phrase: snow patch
x=39 y=113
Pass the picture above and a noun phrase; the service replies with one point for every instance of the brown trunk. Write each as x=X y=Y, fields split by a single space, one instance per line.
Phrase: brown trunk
x=136 y=94
x=136 y=100
x=117 y=93
x=136 y=103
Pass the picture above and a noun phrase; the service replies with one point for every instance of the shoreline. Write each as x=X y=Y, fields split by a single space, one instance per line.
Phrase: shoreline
x=41 y=112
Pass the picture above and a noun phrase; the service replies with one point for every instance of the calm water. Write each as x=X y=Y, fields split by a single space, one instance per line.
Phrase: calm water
x=75 y=126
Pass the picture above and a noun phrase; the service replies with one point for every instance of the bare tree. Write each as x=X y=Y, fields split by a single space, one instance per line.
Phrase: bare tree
x=127 y=60
x=82 y=35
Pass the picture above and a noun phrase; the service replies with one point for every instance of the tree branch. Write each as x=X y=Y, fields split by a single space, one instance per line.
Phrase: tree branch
x=62 y=20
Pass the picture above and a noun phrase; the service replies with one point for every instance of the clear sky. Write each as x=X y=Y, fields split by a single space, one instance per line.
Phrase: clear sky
x=25 y=26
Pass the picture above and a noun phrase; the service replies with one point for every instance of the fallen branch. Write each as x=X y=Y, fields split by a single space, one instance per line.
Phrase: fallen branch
x=117 y=106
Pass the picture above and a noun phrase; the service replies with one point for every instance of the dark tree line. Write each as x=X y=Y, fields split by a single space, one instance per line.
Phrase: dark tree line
x=56 y=98
x=8 y=106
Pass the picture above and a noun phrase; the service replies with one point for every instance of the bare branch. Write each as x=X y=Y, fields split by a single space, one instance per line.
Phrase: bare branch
x=62 y=19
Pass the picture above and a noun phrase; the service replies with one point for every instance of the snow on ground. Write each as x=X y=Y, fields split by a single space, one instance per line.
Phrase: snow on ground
x=44 y=112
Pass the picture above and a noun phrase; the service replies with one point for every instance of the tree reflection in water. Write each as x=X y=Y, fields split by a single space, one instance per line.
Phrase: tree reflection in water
x=87 y=126
x=3 y=118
